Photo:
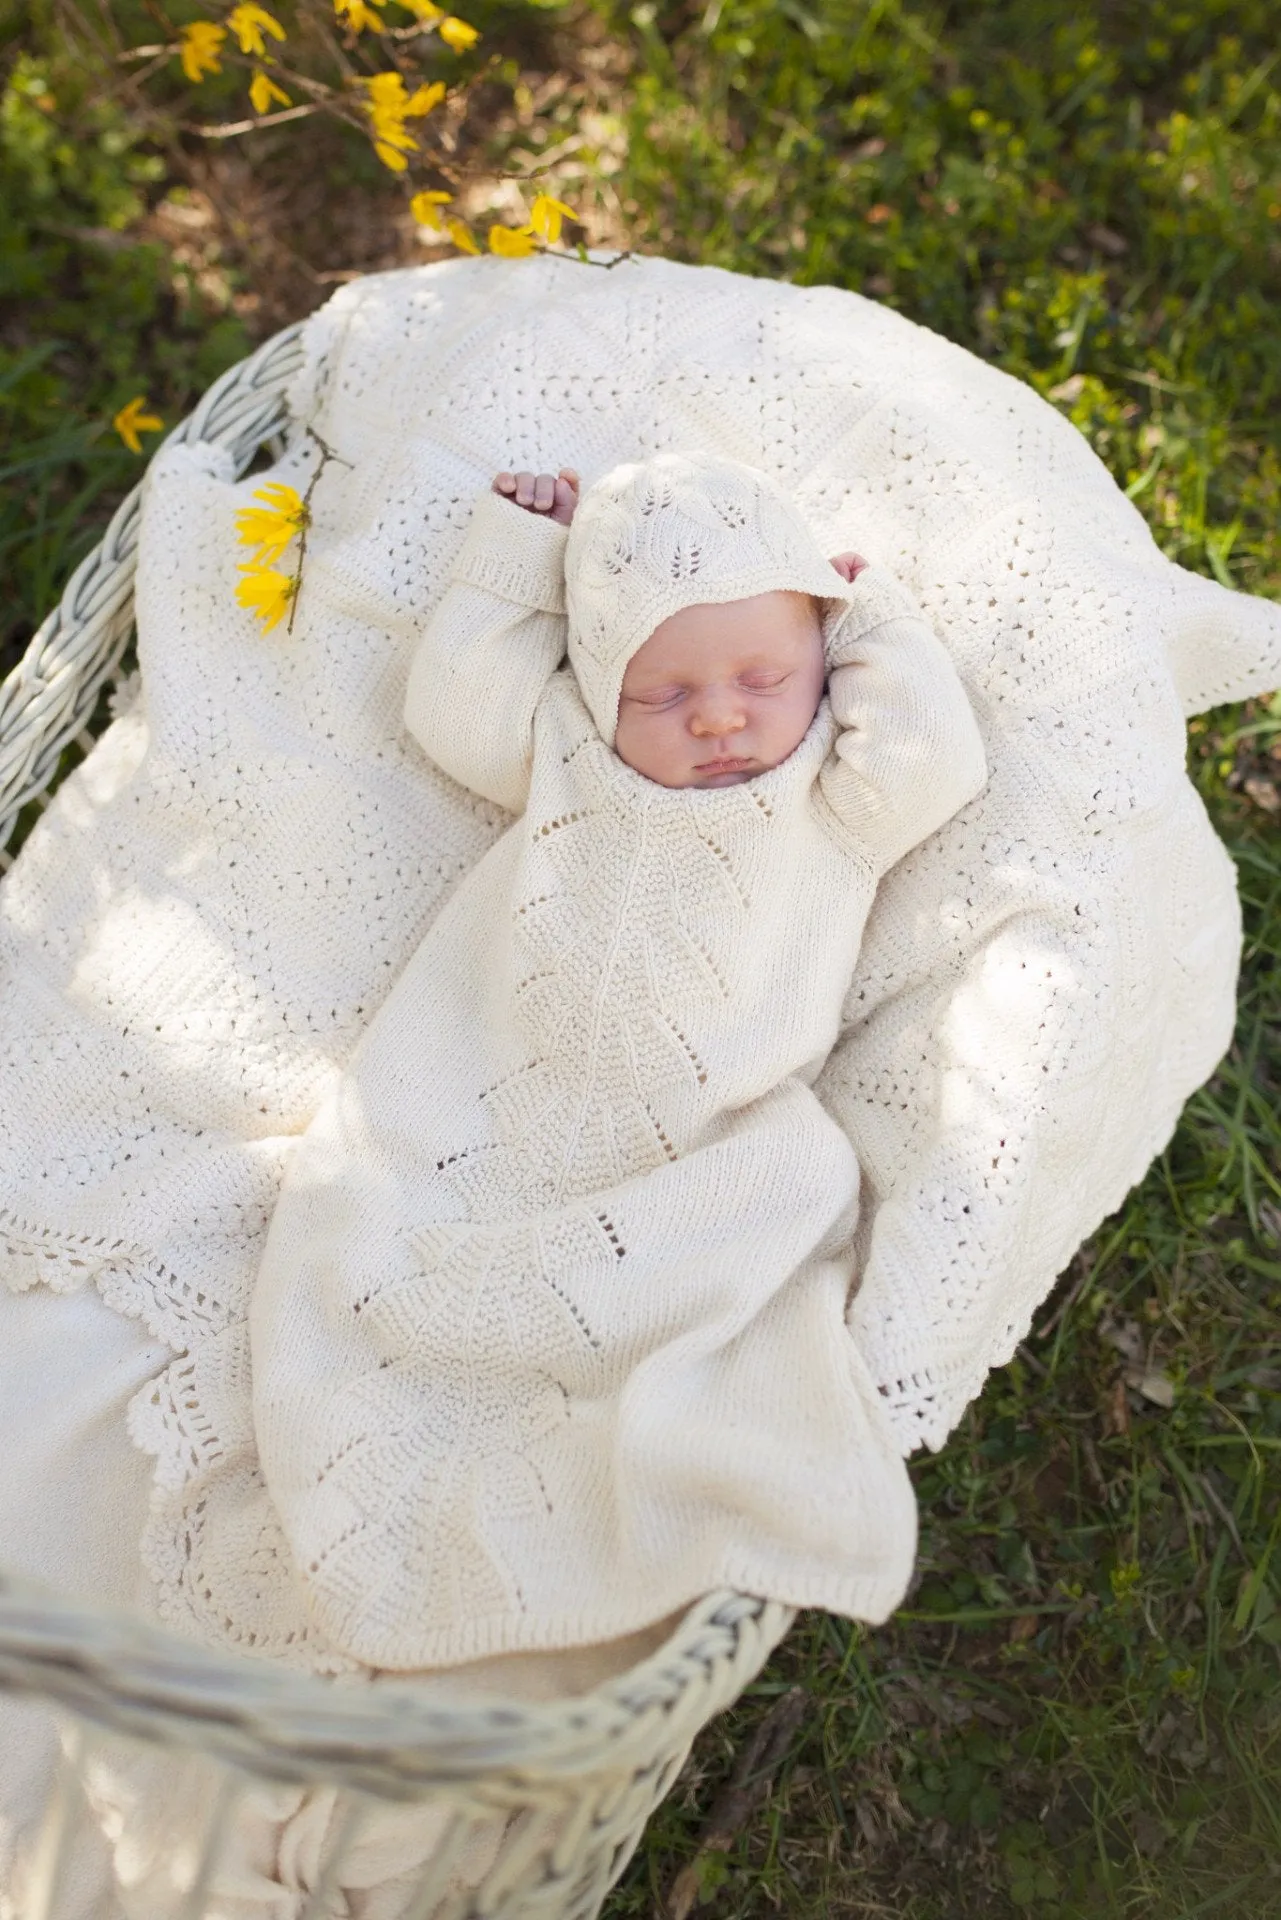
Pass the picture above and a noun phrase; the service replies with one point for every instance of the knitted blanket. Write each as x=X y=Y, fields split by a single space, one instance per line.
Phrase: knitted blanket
x=217 y=902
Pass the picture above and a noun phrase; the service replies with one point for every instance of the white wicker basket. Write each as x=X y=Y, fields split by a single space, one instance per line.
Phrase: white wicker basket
x=576 y=1779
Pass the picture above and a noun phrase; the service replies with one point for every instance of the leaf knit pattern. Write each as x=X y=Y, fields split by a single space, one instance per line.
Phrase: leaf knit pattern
x=585 y=1107
x=204 y=922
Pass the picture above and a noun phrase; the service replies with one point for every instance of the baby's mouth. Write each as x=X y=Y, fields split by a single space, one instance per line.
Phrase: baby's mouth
x=730 y=765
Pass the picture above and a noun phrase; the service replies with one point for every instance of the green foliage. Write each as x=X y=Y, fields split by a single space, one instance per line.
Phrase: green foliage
x=89 y=315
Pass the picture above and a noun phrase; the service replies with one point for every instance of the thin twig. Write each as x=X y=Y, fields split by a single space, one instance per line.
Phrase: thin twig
x=582 y=255
x=546 y=161
x=232 y=129
x=1066 y=1304
x=326 y=455
x=741 y=1795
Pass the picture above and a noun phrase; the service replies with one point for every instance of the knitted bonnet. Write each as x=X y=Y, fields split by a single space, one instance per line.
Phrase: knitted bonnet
x=679 y=530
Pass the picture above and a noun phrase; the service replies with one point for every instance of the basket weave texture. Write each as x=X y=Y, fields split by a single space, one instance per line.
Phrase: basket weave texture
x=575 y=1780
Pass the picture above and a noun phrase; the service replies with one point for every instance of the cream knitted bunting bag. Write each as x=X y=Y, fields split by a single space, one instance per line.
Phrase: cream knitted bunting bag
x=548 y=1336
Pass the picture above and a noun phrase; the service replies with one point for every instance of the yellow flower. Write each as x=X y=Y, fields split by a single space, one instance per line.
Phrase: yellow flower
x=426 y=209
x=386 y=106
x=270 y=528
x=423 y=99
x=513 y=243
x=131 y=421
x=199 y=48
x=263 y=90
x=249 y=23
x=357 y=15
x=425 y=10
x=389 y=106
x=462 y=236
x=546 y=214
x=457 y=34
x=267 y=594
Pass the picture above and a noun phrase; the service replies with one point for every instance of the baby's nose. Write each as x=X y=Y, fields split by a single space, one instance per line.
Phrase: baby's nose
x=715 y=715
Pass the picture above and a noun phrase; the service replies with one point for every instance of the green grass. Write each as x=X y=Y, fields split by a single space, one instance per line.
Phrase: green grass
x=1078 y=1712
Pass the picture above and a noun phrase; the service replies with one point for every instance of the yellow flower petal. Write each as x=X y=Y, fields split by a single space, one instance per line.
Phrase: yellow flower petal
x=386 y=91
x=198 y=49
x=546 y=214
x=249 y=23
x=272 y=526
x=423 y=99
x=513 y=243
x=425 y=10
x=425 y=208
x=387 y=105
x=462 y=236
x=457 y=34
x=357 y=15
x=267 y=594
x=285 y=499
x=133 y=420
x=263 y=90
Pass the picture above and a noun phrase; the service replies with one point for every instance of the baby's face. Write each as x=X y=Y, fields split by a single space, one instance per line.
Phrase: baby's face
x=718 y=694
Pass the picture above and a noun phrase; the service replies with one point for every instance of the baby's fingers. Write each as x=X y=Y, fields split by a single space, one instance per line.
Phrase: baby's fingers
x=566 y=497
x=552 y=493
x=517 y=486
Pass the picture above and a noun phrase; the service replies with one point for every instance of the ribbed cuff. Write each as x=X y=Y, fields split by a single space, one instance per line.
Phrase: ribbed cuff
x=877 y=598
x=518 y=555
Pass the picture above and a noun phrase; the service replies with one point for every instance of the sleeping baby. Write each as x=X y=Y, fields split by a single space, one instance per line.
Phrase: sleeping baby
x=549 y=1337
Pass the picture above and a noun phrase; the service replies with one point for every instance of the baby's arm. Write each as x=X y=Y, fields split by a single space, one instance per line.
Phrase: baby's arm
x=909 y=754
x=495 y=640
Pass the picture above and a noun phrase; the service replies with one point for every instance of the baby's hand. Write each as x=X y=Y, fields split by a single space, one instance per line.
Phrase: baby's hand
x=849 y=566
x=552 y=493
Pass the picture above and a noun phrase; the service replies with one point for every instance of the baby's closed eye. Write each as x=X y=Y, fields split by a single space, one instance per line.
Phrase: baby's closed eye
x=764 y=680
x=657 y=696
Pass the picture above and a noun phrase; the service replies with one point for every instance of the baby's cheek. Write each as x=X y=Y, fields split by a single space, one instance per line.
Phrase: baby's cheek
x=794 y=722
x=633 y=744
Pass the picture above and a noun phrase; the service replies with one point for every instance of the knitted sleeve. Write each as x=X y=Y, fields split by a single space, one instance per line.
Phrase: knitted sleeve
x=909 y=754
x=490 y=648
